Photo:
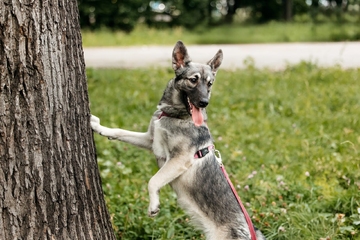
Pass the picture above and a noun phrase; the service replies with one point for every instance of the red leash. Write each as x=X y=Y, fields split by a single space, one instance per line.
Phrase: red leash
x=247 y=217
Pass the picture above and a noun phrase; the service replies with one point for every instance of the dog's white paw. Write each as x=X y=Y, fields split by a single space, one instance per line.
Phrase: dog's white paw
x=152 y=212
x=94 y=122
x=154 y=201
x=94 y=119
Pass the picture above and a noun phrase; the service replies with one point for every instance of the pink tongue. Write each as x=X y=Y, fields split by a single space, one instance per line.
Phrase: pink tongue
x=197 y=116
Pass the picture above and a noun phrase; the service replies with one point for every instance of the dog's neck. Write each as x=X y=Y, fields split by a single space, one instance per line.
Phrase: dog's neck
x=174 y=103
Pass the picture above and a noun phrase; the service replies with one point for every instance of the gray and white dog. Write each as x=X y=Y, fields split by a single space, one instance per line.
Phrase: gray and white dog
x=179 y=138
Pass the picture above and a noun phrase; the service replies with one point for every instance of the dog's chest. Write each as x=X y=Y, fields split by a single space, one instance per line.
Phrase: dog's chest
x=176 y=136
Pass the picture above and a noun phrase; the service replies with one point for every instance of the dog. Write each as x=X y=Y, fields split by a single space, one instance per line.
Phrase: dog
x=180 y=139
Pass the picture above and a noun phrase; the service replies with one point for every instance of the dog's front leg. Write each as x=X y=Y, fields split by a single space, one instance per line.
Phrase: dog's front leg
x=138 y=139
x=172 y=169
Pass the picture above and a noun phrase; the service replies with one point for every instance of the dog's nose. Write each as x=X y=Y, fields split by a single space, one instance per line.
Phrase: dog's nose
x=203 y=103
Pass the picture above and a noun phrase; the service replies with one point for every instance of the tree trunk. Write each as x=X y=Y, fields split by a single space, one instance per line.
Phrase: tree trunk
x=50 y=186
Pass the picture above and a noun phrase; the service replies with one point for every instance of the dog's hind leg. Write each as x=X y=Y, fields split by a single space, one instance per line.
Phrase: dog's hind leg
x=143 y=140
x=172 y=169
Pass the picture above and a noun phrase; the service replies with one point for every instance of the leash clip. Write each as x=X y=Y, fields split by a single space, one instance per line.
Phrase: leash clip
x=218 y=156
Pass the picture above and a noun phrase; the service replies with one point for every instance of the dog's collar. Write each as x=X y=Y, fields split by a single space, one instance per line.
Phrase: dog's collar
x=202 y=152
x=163 y=114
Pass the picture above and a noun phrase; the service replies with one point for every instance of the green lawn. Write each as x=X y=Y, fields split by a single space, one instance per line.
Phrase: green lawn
x=292 y=138
x=229 y=34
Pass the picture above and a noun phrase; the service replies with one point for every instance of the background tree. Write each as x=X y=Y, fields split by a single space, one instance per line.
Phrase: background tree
x=114 y=14
x=288 y=9
x=194 y=13
x=49 y=180
x=124 y=15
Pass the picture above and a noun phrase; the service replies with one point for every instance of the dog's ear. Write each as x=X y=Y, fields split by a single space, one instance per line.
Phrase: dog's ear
x=180 y=57
x=215 y=62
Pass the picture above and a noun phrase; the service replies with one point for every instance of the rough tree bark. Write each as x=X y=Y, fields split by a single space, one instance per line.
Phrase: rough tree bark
x=50 y=186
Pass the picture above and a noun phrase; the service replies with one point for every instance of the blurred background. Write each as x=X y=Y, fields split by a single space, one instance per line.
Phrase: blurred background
x=325 y=20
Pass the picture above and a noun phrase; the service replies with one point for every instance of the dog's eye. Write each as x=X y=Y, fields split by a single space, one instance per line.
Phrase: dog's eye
x=193 y=79
x=210 y=84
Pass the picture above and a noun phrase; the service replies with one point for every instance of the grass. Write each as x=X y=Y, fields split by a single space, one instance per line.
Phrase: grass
x=230 y=34
x=290 y=141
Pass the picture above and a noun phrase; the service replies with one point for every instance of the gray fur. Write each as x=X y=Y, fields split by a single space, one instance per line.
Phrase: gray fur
x=201 y=187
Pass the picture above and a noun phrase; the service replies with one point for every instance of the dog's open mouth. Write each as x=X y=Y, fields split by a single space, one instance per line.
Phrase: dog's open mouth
x=196 y=114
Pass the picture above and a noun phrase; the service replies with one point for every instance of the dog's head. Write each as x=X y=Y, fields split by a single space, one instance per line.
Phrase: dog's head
x=194 y=80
